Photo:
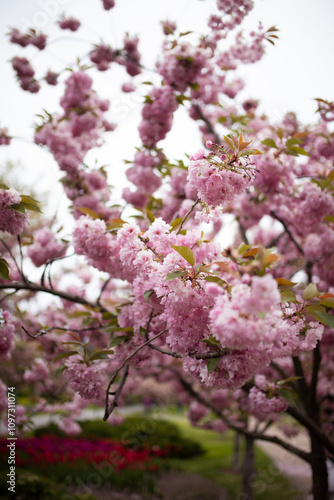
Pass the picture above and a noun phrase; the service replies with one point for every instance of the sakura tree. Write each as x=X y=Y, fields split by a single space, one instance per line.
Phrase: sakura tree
x=148 y=287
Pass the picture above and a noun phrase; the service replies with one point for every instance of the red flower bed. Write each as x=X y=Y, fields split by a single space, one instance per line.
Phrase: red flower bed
x=51 y=449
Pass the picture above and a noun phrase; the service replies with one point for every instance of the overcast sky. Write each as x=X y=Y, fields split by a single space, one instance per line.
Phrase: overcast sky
x=294 y=72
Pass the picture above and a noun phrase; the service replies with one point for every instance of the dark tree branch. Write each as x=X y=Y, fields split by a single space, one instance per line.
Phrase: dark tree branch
x=315 y=372
x=311 y=426
x=207 y=123
x=33 y=287
x=303 y=389
x=272 y=439
x=288 y=232
x=114 y=404
x=187 y=215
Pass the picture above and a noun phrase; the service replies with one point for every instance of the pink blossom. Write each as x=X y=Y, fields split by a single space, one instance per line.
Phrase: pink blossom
x=85 y=380
x=51 y=78
x=128 y=87
x=69 y=426
x=6 y=334
x=157 y=116
x=69 y=23
x=39 y=372
x=3 y=397
x=11 y=220
x=5 y=139
x=108 y=4
x=45 y=247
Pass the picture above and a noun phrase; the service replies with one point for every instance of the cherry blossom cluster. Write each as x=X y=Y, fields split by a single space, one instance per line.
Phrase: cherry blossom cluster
x=108 y=4
x=12 y=219
x=7 y=329
x=45 y=247
x=182 y=66
x=157 y=115
x=4 y=137
x=103 y=55
x=84 y=379
x=219 y=181
x=30 y=38
x=25 y=74
x=142 y=175
x=69 y=23
x=69 y=136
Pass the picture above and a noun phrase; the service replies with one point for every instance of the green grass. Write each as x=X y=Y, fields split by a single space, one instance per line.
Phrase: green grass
x=216 y=465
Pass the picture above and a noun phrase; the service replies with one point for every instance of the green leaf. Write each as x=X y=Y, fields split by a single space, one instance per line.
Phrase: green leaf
x=212 y=342
x=186 y=253
x=118 y=340
x=88 y=211
x=148 y=294
x=216 y=279
x=176 y=222
x=18 y=207
x=322 y=317
x=64 y=355
x=288 y=394
x=212 y=364
x=329 y=218
x=150 y=216
x=243 y=247
x=329 y=302
x=4 y=269
x=284 y=283
x=119 y=329
x=249 y=152
x=270 y=143
x=288 y=380
x=101 y=354
x=296 y=150
x=292 y=141
x=173 y=275
x=229 y=142
x=4 y=186
x=280 y=133
x=185 y=33
x=288 y=296
x=310 y=292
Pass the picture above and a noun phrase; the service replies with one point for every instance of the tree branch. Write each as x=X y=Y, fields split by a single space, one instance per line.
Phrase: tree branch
x=114 y=404
x=272 y=439
x=311 y=426
x=187 y=215
x=207 y=122
x=288 y=232
x=33 y=287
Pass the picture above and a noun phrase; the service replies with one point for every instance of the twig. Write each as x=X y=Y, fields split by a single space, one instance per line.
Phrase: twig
x=33 y=287
x=114 y=404
x=287 y=230
x=12 y=256
x=272 y=439
x=21 y=257
x=207 y=123
x=105 y=284
x=187 y=215
x=131 y=356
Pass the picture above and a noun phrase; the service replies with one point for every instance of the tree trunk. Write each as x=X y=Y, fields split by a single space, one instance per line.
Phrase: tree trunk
x=248 y=470
x=236 y=452
x=320 y=489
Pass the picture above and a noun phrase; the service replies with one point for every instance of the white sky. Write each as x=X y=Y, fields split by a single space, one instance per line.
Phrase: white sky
x=294 y=72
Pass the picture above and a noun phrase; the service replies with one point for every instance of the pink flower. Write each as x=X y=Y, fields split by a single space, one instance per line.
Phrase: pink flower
x=45 y=247
x=84 y=379
x=6 y=334
x=11 y=220
x=69 y=23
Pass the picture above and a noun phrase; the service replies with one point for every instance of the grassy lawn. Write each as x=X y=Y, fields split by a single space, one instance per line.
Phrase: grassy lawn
x=216 y=464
